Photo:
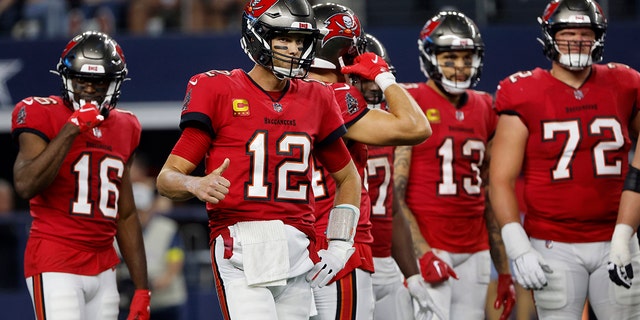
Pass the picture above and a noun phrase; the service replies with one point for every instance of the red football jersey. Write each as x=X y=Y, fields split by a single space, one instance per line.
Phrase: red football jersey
x=379 y=183
x=74 y=218
x=269 y=140
x=444 y=189
x=353 y=107
x=577 y=150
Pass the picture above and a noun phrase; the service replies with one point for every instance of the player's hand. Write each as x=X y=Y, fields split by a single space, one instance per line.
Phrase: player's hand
x=418 y=290
x=506 y=295
x=367 y=65
x=140 y=305
x=619 y=265
x=529 y=265
x=213 y=187
x=434 y=270
x=87 y=117
x=333 y=259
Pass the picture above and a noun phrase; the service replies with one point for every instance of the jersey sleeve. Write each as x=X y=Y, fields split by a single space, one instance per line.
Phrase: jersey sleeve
x=32 y=115
x=199 y=101
x=332 y=123
x=352 y=104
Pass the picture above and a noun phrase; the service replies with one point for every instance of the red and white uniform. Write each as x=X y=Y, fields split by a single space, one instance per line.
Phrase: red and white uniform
x=270 y=139
x=444 y=187
x=260 y=133
x=577 y=149
x=353 y=282
x=74 y=218
x=576 y=160
x=379 y=183
x=446 y=197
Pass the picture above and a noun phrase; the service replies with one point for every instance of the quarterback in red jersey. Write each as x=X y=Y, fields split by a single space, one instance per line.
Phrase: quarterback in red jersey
x=440 y=183
x=73 y=166
x=350 y=293
x=258 y=133
x=567 y=130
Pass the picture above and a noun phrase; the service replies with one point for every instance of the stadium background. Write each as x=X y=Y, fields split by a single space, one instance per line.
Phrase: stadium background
x=160 y=66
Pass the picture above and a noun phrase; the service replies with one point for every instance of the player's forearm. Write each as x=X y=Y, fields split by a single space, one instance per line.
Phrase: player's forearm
x=504 y=201
x=348 y=186
x=175 y=185
x=130 y=242
x=497 y=250
x=34 y=174
x=411 y=121
x=402 y=247
x=629 y=208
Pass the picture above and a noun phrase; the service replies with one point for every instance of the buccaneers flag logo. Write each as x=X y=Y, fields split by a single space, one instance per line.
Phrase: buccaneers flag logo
x=428 y=28
x=256 y=8
x=341 y=25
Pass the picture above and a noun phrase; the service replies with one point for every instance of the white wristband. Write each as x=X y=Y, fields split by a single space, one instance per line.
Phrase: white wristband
x=343 y=220
x=516 y=241
x=620 y=254
x=384 y=80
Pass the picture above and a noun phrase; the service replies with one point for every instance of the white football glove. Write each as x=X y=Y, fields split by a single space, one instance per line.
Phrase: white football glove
x=619 y=265
x=529 y=266
x=418 y=290
x=333 y=259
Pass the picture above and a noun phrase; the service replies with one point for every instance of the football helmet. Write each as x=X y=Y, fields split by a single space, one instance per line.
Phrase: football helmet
x=561 y=14
x=92 y=57
x=372 y=92
x=450 y=31
x=263 y=20
x=342 y=36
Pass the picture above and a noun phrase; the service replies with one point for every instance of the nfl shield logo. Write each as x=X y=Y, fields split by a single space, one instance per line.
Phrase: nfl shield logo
x=459 y=115
x=578 y=94
x=97 y=133
x=277 y=107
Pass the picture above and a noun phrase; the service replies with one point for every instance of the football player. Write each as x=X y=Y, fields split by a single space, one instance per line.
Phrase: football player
x=340 y=50
x=393 y=256
x=73 y=166
x=256 y=132
x=567 y=129
x=440 y=184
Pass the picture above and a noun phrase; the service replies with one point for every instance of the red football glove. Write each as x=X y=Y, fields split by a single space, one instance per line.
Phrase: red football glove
x=506 y=295
x=367 y=65
x=140 y=305
x=434 y=270
x=87 y=117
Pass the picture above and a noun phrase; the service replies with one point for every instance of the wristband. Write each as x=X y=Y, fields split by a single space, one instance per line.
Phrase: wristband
x=384 y=80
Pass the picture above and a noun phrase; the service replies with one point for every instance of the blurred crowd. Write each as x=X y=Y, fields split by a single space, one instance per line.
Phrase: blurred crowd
x=33 y=19
x=29 y=19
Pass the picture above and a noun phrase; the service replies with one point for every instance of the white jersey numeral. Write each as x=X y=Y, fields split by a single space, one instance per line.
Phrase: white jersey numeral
x=602 y=165
x=378 y=208
x=258 y=187
x=471 y=184
x=108 y=191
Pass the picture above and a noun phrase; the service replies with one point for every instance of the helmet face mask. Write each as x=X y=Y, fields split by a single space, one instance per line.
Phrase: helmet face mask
x=342 y=36
x=573 y=53
x=455 y=35
x=92 y=68
x=265 y=20
x=370 y=90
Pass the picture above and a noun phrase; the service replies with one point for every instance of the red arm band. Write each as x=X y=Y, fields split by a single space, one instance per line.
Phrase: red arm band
x=192 y=145
x=334 y=156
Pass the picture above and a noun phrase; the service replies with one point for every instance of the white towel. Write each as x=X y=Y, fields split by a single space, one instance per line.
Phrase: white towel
x=265 y=253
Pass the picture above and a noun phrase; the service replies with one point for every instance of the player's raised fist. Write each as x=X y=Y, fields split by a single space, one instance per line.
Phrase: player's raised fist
x=87 y=117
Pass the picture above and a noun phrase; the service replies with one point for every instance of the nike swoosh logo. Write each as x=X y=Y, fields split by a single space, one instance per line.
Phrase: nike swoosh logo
x=344 y=87
x=436 y=265
x=193 y=82
x=375 y=60
x=28 y=101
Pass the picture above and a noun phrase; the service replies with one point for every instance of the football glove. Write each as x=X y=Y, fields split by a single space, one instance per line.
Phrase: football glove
x=619 y=265
x=434 y=270
x=529 y=265
x=333 y=259
x=371 y=67
x=506 y=295
x=418 y=290
x=140 y=305
x=87 y=117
